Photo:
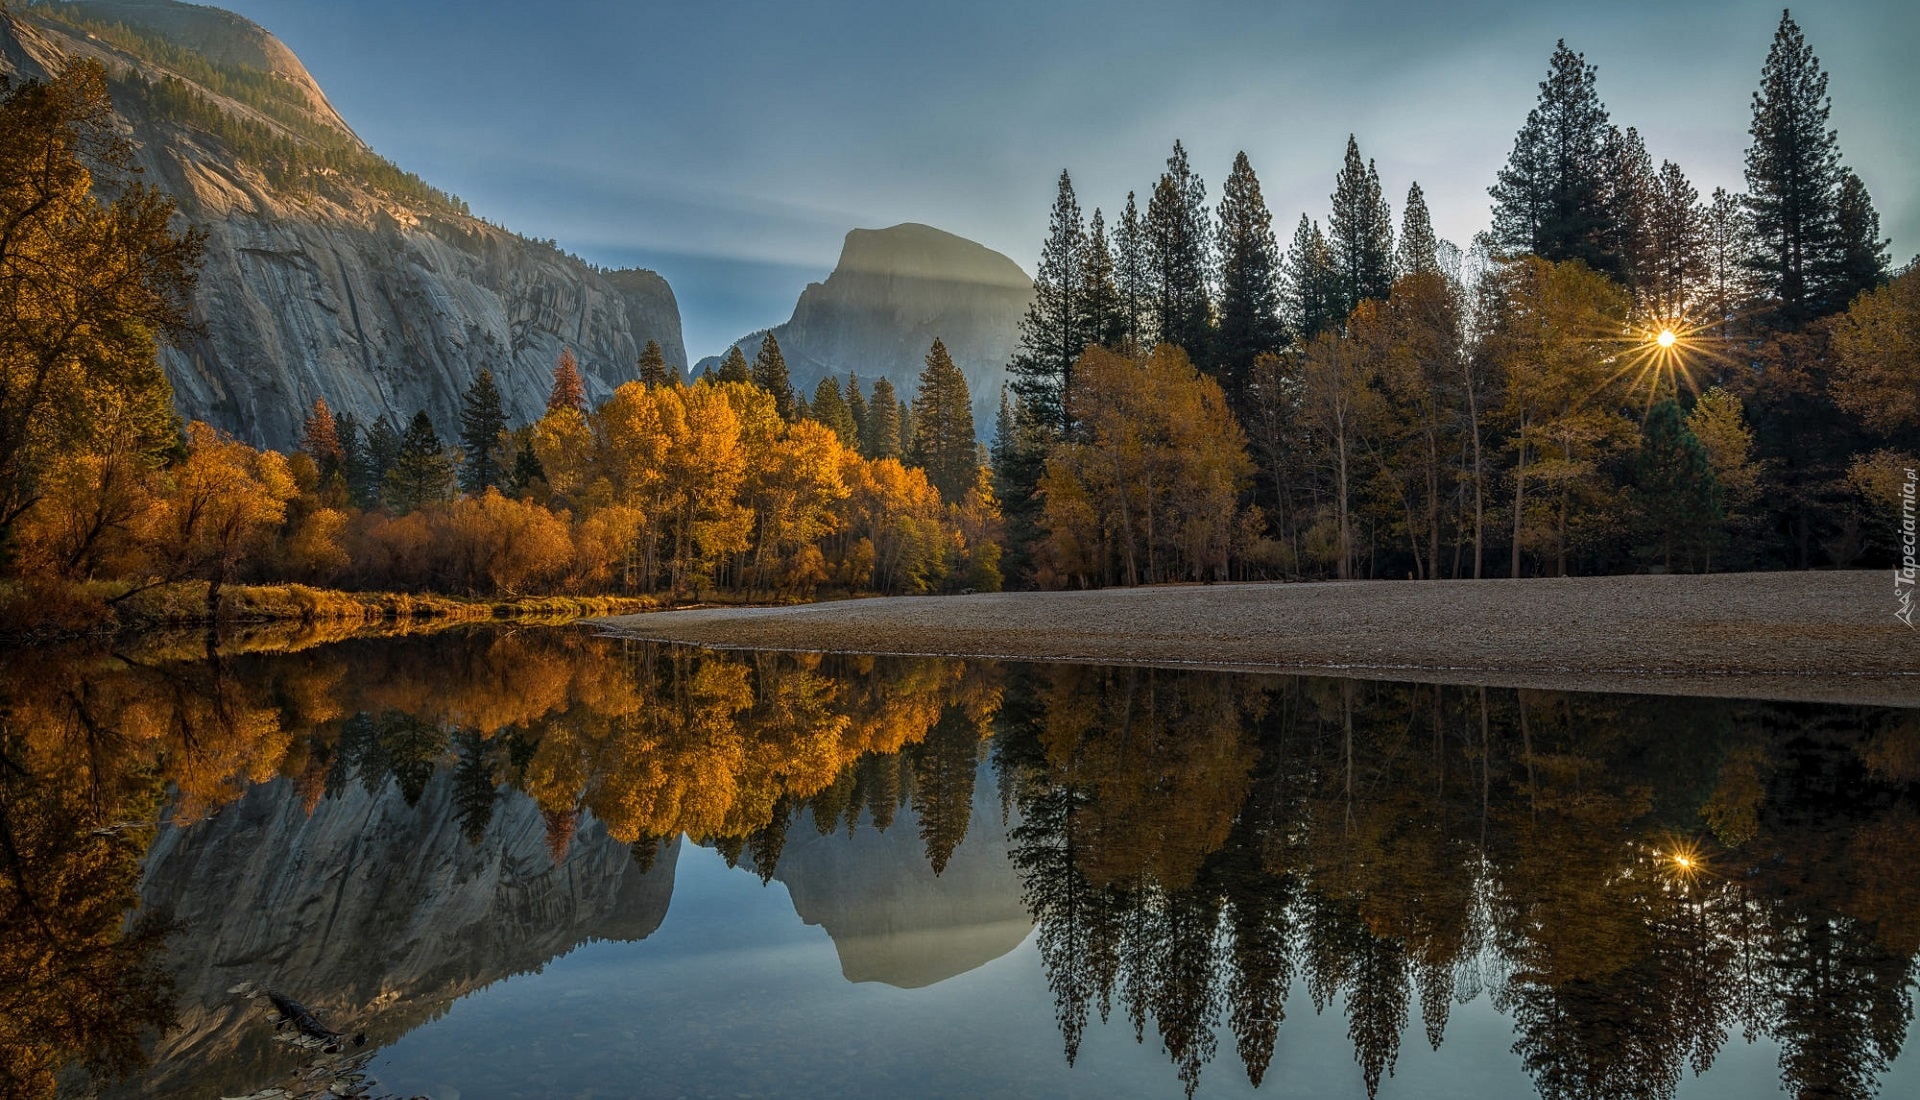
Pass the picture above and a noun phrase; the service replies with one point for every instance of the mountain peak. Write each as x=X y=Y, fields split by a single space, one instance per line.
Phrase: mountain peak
x=916 y=251
x=163 y=33
x=895 y=291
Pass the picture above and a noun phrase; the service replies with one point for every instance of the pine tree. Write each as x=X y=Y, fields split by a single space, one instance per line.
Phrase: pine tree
x=1675 y=273
x=1678 y=502
x=734 y=367
x=1419 y=250
x=474 y=791
x=1102 y=320
x=353 y=450
x=1793 y=182
x=382 y=450
x=1051 y=337
x=830 y=408
x=906 y=427
x=653 y=367
x=483 y=420
x=527 y=469
x=320 y=439
x=1019 y=456
x=1130 y=274
x=1863 y=253
x=943 y=440
x=883 y=438
x=1360 y=233
x=1178 y=256
x=422 y=472
x=1725 y=246
x=1631 y=189
x=770 y=374
x=1551 y=197
x=857 y=411
x=569 y=389
x=1310 y=298
x=1249 y=281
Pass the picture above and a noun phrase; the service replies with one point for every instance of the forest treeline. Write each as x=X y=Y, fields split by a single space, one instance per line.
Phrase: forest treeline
x=1620 y=374
x=1630 y=881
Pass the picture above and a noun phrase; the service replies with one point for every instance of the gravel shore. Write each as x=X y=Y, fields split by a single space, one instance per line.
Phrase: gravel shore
x=1827 y=636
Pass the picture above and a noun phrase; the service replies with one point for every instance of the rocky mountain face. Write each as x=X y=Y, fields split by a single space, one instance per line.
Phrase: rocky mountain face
x=892 y=294
x=338 y=285
x=892 y=919
x=376 y=914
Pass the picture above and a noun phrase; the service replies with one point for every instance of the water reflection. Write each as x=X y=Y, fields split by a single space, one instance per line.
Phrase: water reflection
x=383 y=826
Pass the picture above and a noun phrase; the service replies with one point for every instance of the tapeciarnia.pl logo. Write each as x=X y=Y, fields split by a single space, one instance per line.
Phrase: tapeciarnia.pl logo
x=1903 y=574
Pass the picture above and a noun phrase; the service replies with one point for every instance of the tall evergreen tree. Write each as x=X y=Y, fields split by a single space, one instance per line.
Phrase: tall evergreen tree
x=653 y=367
x=1360 y=233
x=1551 y=198
x=353 y=447
x=1725 y=244
x=1679 y=508
x=483 y=420
x=1051 y=337
x=944 y=443
x=1249 y=280
x=569 y=389
x=1102 y=318
x=1862 y=262
x=1674 y=274
x=884 y=430
x=422 y=472
x=734 y=367
x=1179 y=259
x=770 y=374
x=526 y=462
x=1793 y=182
x=829 y=408
x=857 y=412
x=1631 y=188
x=382 y=450
x=1130 y=273
x=1310 y=299
x=474 y=790
x=1019 y=455
x=1419 y=250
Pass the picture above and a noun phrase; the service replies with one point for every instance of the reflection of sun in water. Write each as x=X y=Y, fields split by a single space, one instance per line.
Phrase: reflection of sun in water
x=1680 y=860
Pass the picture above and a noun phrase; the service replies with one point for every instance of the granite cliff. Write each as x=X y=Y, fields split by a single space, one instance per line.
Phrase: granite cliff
x=375 y=913
x=892 y=918
x=892 y=294
x=329 y=272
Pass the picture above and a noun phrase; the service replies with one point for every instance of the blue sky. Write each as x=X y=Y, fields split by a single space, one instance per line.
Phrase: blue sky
x=731 y=146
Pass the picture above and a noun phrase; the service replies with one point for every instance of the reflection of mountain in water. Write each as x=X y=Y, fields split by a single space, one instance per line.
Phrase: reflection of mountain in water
x=375 y=913
x=891 y=918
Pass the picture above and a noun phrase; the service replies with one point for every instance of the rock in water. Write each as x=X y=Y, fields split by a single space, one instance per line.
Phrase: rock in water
x=359 y=284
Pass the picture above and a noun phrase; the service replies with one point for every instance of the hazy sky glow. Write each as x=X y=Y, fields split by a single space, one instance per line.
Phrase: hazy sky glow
x=730 y=147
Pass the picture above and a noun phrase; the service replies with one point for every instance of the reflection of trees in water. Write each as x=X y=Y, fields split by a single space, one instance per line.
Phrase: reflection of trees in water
x=1192 y=846
x=652 y=742
x=1394 y=845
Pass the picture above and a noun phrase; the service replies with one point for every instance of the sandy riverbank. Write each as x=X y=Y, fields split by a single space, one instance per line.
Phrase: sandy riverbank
x=1814 y=636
